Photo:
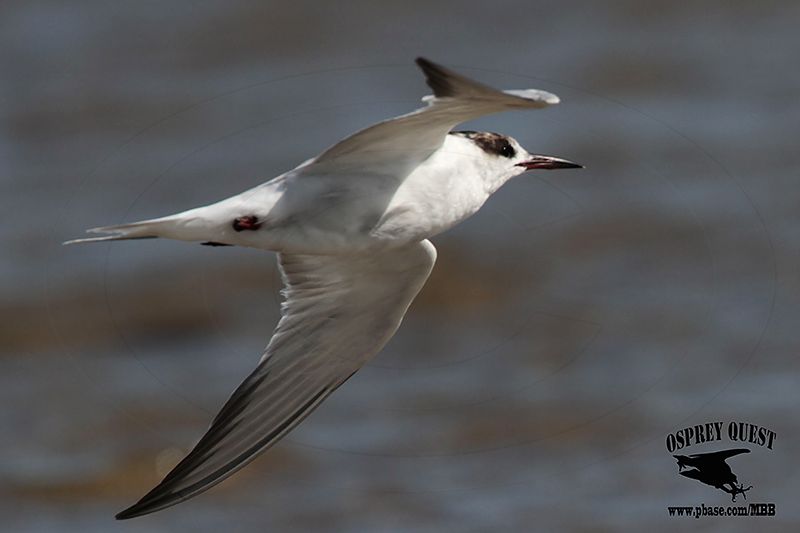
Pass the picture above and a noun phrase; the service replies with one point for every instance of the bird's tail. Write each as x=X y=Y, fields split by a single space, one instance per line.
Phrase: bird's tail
x=145 y=229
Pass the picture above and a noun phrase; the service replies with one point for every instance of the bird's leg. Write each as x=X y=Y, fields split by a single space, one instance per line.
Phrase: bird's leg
x=731 y=491
x=738 y=490
x=743 y=490
x=249 y=222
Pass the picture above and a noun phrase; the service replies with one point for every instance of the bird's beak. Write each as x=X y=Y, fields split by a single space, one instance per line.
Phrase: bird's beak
x=547 y=162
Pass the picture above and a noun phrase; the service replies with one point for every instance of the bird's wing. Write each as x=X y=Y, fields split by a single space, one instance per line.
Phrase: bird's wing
x=699 y=475
x=398 y=145
x=338 y=312
x=721 y=455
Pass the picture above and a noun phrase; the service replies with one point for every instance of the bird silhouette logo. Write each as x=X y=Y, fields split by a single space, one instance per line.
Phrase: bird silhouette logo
x=711 y=469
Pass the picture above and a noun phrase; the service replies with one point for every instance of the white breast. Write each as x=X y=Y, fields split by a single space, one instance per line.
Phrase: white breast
x=440 y=193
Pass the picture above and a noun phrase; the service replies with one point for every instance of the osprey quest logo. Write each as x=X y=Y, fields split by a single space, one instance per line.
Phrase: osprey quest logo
x=715 y=460
x=711 y=469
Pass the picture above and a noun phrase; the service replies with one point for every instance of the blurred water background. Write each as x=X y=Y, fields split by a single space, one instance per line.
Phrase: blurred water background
x=567 y=328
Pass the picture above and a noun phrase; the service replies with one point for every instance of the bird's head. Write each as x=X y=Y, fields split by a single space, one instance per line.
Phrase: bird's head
x=501 y=157
x=682 y=461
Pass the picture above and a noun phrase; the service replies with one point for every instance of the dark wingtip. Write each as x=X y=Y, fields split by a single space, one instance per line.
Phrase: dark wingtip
x=130 y=512
x=437 y=77
x=423 y=63
x=144 y=506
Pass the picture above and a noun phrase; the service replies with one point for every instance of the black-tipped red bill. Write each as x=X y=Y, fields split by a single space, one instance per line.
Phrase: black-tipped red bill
x=546 y=162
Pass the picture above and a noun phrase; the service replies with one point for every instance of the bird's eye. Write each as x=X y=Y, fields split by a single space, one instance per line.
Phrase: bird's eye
x=507 y=150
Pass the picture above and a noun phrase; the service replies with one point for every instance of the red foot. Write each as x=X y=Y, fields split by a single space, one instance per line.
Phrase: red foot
x=248 y=222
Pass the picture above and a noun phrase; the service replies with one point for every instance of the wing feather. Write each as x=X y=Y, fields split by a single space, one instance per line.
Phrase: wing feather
x=401 y=143
x=338 y=312
x=722 y=455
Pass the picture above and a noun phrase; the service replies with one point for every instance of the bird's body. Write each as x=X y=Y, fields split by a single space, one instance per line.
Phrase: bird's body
x=351 y=228
x=307 y=210
x=711 y=469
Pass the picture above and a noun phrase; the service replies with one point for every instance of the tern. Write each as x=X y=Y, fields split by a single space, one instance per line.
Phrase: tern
x=351 y=229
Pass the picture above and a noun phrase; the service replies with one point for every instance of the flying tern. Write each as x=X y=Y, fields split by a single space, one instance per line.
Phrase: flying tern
x=351 y=229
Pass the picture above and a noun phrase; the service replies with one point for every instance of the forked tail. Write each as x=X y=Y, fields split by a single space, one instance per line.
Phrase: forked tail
x=145 y=229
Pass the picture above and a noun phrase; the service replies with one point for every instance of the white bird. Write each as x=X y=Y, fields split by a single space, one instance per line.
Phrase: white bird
x=351 y=228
